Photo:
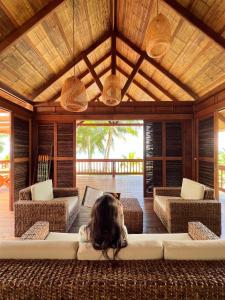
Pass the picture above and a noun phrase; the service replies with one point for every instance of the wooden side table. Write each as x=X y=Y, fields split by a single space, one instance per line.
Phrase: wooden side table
x=133 y=215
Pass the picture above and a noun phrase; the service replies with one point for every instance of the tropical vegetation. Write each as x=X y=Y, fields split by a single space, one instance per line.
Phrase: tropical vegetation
x=101 y=138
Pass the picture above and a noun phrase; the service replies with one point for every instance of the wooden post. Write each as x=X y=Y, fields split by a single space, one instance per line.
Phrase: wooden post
x=113 y=169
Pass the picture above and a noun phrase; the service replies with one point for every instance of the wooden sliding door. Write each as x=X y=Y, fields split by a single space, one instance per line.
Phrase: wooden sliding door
x=20 y=155
x=205 y=150
x=59 y=139
x=167 y=153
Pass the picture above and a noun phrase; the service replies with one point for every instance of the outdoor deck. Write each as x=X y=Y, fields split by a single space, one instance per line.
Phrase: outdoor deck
x=128 y=185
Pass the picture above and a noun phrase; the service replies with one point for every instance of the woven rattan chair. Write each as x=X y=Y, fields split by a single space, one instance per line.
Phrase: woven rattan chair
x=175 y=212
x=59 y=212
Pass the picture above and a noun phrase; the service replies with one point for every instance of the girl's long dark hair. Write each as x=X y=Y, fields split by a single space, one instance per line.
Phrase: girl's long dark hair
x=106 y=227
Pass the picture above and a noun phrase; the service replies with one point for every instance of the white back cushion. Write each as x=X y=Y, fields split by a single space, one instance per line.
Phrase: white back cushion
x=140 y=250
x=192 y=190
x=42 y=190
x=27 y=249
x=195 y=250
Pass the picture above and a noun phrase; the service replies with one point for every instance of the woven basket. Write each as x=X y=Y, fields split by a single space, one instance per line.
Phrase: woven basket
x=158 y=37
x=111 y=95
x=73 y=95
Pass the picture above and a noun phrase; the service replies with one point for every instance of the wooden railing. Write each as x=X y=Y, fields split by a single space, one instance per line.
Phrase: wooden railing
x=109 y=166
x=221 y=169
x=4 y=173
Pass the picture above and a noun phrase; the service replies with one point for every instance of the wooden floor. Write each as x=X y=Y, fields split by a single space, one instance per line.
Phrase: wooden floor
x=128 y=186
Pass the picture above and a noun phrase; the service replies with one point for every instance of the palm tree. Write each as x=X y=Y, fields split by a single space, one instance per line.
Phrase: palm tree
x=89 y=139
x=120 y=132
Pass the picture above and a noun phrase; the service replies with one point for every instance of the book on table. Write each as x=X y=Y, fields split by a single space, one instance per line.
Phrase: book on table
x=92 y=194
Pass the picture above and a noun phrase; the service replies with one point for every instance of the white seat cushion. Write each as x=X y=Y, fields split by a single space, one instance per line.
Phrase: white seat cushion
x=61 y=236
x=162 y=201
x=140 y=250
x=42 y=190
x=192 y=190
x=30 y=249
x=159 y=237
x=72 y=202
x=194 y=250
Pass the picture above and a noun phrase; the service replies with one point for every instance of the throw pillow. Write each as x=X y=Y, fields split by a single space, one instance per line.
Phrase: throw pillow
x=42 y=190
x=192 y=190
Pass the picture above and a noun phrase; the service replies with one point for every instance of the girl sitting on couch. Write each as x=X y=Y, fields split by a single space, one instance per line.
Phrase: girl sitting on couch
x=106 y=228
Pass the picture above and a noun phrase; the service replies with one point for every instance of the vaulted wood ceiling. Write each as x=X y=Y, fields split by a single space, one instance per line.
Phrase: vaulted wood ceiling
x=36 y=53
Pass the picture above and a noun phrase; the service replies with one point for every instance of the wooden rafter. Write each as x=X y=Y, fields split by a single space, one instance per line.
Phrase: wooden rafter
x=144 y=89
x=131 y=98
x=147 y=77
x=28 y=25
x=68 y=67
x=92 y=71
x=114 y=28
x=187 y=15
x=157 y=66
x=113 y=53
x=95 y=98
x=132 y=75
x=12 y=93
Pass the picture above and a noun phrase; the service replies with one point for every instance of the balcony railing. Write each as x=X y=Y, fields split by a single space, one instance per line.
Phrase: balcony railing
x=4 y=172
x=109 y=166
x=221 y=169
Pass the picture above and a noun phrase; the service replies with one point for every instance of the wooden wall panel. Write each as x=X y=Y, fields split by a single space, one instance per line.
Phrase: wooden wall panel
x=206 y=137
x=173 y=139
x=21 y=138
x=21 y=177
x=45 y=137
x=153 y=175
x=174 y=173
x=166 y=159
x=21 y=155
x=65 y=139
x=62 y=138
x=65 y=173
x=205 y=150
x=206 y=173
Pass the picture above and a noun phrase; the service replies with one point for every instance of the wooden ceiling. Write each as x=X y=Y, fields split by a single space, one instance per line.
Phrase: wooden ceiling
x=36 y=53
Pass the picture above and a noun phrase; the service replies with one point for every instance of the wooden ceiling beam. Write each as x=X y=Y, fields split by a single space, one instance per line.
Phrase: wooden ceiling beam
x=95 y=98
x=144 y=89
x=8 y=93
x=157 y=65
x=93 y=73
x=197 y=23
x=132 y=75
x=28 y=25
x=147 y=77
x=131 y=97
x=98 y=76
x=68 y=67
x=113 y=53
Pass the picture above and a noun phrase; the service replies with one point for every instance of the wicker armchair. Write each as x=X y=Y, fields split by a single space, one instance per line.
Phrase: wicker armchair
x=175 y=212
x=59 y=212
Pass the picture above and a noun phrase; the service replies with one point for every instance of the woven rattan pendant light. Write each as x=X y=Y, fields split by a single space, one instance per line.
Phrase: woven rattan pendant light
x=111 y=95
x=73 y=94
x=158 y=37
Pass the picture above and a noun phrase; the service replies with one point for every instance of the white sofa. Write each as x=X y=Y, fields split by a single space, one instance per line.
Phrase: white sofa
x=38 y=243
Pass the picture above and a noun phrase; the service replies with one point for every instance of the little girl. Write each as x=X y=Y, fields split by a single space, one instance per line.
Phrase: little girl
x=106 y=228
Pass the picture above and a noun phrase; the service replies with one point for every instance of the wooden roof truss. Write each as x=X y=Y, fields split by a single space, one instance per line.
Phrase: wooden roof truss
x=114 y=35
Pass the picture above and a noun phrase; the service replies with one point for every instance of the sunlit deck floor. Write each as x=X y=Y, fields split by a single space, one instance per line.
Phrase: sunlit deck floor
x=128 y=186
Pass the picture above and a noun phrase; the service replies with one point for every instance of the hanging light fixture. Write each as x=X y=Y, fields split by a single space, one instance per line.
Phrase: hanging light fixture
x=158 y=36
x=73 y=94
x=111 y=94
